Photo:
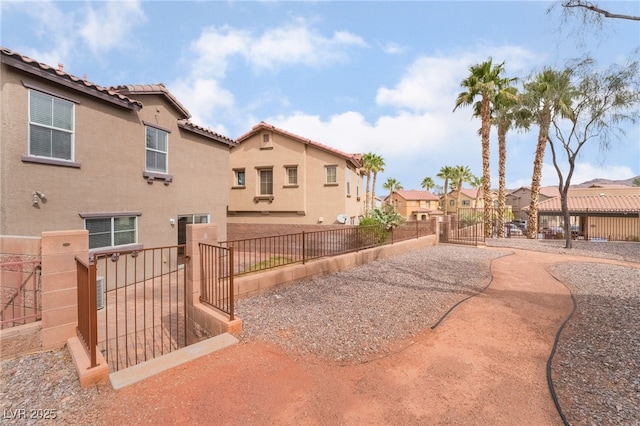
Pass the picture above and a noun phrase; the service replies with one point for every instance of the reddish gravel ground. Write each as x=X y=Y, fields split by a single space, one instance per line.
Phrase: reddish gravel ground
x=484 y=364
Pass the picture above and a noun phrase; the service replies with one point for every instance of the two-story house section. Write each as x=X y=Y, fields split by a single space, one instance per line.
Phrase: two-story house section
x=124 y=162
x=415 y=204
x=282 y=178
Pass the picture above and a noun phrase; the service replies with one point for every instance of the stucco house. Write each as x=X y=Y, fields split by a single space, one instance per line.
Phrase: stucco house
x=521 y=198
x=415 y=204
x=123 y=162
x=469 y=199
x=282 y=178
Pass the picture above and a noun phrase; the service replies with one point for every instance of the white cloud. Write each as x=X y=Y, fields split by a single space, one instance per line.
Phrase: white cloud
x=204 y=98
x=110 y=25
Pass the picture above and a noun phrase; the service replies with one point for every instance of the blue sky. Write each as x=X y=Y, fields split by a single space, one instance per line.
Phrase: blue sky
x=358 y=76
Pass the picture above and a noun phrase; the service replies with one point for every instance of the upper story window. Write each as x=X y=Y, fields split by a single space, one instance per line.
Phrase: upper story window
x=51 y=126
x=239 y=177
x=111 y=231
x=265 y=137
x=157 y=150
x=291 y=175
x=266 y=181
x=466 y=203
x=348 y=177
x=331 y=174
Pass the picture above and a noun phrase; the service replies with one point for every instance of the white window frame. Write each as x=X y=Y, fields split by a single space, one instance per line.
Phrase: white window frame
x=112 y=231
x=237 y=173
x=51 y=126
x=287 y=171
x=260 y=182
x=156 y=150
x=334 y=176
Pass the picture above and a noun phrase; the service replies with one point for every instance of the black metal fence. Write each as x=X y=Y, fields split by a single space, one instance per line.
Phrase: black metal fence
x=259 y=254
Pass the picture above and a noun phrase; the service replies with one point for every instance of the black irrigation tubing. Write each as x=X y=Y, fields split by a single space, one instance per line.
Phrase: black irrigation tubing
x=437 y=323
x=553 y=351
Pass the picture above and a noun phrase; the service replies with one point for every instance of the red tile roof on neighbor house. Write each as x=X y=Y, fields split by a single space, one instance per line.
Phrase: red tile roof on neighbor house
x=356 y=159
x=547 y=191
x=593 y=204
x=416 y=194
x=57 y=75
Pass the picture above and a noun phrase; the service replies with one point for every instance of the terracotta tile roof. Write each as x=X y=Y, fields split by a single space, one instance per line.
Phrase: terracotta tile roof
x=57 y=75
x=356 y=159
x=151 y=89
x=593 y=204
x=416 y=194
x=547 y=191
x=188 y=125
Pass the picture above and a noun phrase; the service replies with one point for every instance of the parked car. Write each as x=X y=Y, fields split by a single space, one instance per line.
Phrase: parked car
x=511 y=229
x=522 y=224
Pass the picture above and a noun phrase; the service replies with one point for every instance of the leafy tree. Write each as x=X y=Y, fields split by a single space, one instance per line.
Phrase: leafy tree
x=428 y=183
x=590 y=11
x=392 y=185
x=484 y=81
x=636 y=182
x=387 y=217
x=603 y=100
x=446 y=174
x=547 y=94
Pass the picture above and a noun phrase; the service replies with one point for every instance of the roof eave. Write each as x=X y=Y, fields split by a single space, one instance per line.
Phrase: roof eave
x=73 y=85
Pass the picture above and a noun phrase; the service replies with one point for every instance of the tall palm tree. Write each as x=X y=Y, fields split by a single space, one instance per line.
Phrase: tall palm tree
x=484 y=81
x=376 y=166
x=546 y=95
x=459 y=175
x=508 y=113
x=429 y=184
x=445 y=173
x=476 y=183
x=392 y=185
x=367 y=164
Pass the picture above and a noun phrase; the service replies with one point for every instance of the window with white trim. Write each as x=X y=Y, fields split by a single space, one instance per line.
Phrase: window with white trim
x=348 y=176
x=51 y=126
x=111 y=231
x=239 y=177
x=265 y=177
x=157 y=150
x=291 y=175
x=331 y=174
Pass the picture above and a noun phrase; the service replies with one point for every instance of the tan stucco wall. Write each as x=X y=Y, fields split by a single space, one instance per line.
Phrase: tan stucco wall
x=305 y=203
x=110 y=146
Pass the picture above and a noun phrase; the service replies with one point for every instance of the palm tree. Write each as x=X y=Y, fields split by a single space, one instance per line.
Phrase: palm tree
x=546 y=95
x=445 y=173
x=459 y=175
x=508 y=113
x=376 y=166
x=484 y=81
x=429 y=184
x=392 y=185
x=476 y=183
x=367 y=160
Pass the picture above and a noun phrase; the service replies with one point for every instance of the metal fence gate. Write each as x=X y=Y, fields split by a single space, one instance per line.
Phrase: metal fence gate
x=141 y=310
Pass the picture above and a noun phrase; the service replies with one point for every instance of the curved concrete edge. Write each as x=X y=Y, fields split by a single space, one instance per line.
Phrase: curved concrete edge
x=139 y=372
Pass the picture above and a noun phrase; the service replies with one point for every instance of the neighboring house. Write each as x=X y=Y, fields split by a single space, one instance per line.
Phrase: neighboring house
x=282 y=178
x=125 y=162
x=521 y=198
x=468 y=199
x=607 y=217
x=414 y=204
